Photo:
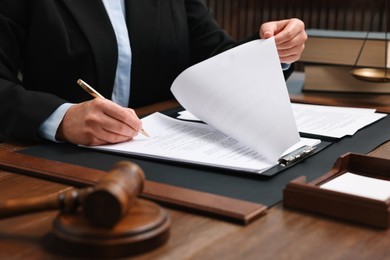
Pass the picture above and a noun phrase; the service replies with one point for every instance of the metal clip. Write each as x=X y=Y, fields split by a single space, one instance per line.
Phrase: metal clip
x=297 y=155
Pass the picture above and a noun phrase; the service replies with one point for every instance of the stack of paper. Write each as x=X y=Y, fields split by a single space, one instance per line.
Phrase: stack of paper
x=359 y=185
x=333 y=121
x=325 y=121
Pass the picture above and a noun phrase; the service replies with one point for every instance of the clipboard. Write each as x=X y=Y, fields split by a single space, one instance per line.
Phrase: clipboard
x=284 y=162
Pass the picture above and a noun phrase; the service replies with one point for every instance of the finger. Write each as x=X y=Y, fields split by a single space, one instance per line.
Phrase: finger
x=290 y=59
x=113 y=138
x=292 y=30
x=137 y=124
x=116 y=127
x=290 y=38
x=267 y=34
x=290 y=54
x=103 y=130
x=289 y=49
x=92 y=141
x=268 y=30
x=124 y=115
x=274 y=28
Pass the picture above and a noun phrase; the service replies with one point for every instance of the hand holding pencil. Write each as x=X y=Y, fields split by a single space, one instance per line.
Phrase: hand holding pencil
x=97 y=122
x=96 y=94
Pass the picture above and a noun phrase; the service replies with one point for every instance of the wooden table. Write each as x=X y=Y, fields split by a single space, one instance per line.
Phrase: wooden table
x=281 y=234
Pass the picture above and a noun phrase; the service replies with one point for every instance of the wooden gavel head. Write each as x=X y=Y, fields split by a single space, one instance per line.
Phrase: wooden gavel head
x=103 y=205
x=109 y=220
x=113 y=195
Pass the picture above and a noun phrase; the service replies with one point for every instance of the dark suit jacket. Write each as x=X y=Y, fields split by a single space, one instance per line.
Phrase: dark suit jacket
x=52 y=43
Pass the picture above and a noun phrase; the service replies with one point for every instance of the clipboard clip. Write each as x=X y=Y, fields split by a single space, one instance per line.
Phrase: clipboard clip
x=297 y=155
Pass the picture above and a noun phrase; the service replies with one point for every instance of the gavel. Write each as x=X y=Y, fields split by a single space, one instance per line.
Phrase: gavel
x=103 y=205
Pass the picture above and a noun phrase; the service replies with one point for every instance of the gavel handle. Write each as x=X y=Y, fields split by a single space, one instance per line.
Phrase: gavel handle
x=15 y=207
x=68 y=200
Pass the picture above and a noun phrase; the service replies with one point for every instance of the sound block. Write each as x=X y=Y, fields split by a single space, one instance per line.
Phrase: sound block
x=146 y=226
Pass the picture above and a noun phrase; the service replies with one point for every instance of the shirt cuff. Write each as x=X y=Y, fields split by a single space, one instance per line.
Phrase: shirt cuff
x=285 y=66
x=48 y=128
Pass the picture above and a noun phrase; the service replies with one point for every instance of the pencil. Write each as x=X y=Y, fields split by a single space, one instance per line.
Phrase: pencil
x=96 y=94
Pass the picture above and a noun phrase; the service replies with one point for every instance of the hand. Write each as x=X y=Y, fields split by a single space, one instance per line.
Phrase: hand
x=290 y=37
x=99 y=121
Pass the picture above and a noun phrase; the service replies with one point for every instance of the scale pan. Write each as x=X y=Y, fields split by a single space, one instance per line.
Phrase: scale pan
x=371 y=74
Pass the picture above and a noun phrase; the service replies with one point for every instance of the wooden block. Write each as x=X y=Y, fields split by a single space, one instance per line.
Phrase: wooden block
x=308 y=196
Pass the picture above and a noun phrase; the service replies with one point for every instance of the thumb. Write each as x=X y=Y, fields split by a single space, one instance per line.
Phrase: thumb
x=270 y=29
x=266 y=35
x=267 y=30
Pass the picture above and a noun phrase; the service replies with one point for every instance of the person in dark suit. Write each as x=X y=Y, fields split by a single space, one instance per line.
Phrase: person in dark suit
x=46 y=45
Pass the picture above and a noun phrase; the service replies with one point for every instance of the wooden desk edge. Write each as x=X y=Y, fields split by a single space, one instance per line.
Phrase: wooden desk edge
x=235 y=210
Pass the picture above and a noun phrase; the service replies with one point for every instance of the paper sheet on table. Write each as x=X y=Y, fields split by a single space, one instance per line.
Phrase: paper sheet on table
x=242 y=93
x=330 y=121
x=333 y=121
x=360 y=186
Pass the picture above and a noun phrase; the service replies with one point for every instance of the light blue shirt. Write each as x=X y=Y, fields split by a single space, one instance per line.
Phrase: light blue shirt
x=285 y=66
x=121 y=92
x=116 y=12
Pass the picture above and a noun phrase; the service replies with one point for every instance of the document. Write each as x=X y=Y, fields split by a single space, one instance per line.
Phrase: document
x=196 y=143
x=324 y=121
x=242 y=93
x=332 y=121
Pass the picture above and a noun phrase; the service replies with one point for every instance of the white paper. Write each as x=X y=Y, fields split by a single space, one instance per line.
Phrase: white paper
x=333 y=121
x=330 y=121
x=358 y=185
x=197 y=143
x=242 y=92
x=187 y=115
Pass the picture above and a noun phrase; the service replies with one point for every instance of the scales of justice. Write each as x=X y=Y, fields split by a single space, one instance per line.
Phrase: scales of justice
x=375 y=74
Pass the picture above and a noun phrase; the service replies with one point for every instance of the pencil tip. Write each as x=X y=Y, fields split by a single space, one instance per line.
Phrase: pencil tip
x=142 y=131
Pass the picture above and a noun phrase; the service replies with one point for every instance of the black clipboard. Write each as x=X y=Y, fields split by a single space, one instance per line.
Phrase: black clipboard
x=284 y=162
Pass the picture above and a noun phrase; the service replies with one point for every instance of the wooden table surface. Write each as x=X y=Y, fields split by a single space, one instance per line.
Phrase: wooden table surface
x=280 y=234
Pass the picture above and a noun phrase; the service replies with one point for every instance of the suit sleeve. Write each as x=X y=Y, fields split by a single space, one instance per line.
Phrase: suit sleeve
x=206 y=37
x=21 y=111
